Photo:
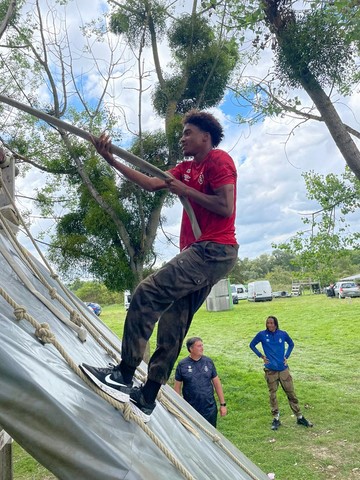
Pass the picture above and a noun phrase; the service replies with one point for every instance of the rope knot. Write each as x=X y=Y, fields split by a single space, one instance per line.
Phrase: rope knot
x=44 y=333
x=52 y=292
x=216 y=439
x=75 y=318
x=19 y=312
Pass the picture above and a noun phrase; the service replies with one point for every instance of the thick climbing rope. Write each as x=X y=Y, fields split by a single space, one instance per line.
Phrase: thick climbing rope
x=42 y=331
x=81 y=331
x=129 y=157
x=173 y=406
x=75 y=317
x=44 y=334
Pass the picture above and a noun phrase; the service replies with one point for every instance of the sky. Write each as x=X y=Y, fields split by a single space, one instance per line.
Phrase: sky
x=270 y=157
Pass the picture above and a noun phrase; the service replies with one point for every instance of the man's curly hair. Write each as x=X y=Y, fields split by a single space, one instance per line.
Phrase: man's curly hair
x=207 y=123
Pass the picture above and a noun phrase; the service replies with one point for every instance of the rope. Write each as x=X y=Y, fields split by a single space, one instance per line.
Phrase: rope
x=214 y=437
x=74 y=314
x=27 y=259
x=24 y=279
x=44 y=334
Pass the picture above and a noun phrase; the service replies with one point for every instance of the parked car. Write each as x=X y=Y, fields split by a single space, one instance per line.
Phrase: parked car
x=346 y=289
x=282 y=294
x=238 y=292
x=95 y=307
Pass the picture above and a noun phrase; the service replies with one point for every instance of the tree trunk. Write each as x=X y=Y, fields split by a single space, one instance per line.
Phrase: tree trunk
x=335 y=125
x=279 y=18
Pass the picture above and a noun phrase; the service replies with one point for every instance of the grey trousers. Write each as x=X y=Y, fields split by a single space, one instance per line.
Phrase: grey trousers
x=171 y=296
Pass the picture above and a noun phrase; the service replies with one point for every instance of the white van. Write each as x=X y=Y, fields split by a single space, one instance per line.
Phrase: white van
x=259 y=291
x=127 y=299
x=238 y=291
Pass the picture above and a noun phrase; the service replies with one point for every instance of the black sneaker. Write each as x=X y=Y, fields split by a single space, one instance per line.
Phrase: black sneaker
x=275 y=424
x=110 y=380
x=303 y=421
x=139 y=405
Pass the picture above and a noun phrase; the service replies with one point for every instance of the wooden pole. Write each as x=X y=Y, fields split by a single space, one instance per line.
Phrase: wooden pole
x=124 y=154
x=6 y=464
x=8 y=173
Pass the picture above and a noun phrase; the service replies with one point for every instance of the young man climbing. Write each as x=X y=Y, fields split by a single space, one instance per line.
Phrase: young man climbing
x=173 y=294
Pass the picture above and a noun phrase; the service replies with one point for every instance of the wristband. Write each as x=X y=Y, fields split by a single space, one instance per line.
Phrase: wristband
x=222 y=404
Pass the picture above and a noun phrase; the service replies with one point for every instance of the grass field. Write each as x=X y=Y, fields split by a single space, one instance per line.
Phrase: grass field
x=325 y=367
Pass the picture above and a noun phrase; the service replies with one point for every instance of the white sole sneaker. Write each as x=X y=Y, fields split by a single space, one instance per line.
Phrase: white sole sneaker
x=117 y=394
x=139 y=413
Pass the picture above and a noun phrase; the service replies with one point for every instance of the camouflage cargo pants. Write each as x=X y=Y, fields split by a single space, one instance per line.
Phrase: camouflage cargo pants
x=171 y=296
x=273 y=378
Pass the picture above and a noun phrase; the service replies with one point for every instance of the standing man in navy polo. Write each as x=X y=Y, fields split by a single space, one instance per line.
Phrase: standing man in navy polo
x=197 y=377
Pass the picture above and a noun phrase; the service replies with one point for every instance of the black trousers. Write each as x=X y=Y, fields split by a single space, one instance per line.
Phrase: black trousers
x=171 y=296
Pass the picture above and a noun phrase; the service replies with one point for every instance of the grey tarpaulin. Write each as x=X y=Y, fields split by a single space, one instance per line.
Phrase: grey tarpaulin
x=71 y=430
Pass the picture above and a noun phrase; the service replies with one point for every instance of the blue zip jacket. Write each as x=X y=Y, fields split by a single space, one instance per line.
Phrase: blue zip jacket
x=273 y=344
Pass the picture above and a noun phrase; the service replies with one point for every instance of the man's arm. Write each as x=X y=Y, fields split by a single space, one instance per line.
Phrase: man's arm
x=103 y=146
x=257 y=352
x=222 y=202
x=253 y=344
x=219 y=392
x=178 y=386
x=290 y=348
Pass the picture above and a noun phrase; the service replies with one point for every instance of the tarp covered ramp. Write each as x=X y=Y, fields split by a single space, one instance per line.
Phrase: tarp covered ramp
x=62 y=421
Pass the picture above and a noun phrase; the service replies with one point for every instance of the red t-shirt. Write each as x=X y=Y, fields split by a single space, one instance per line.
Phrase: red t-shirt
x=217 y=169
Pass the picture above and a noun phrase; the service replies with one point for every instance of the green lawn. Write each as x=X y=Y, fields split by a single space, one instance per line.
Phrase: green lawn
x=325 y=367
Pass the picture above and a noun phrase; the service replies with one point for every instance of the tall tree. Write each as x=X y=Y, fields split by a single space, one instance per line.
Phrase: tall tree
x=328 y=237
x=315 y=49
x=314 y=52
x=105 y=225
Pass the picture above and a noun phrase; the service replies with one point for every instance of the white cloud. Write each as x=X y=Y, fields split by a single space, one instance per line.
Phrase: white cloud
x=270 y=157
x=271 y=191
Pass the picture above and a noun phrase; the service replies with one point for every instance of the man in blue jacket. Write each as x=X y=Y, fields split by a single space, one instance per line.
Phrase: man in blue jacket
x=276 y=369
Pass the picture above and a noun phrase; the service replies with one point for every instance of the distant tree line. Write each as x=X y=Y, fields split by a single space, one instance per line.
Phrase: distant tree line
x=280 y=268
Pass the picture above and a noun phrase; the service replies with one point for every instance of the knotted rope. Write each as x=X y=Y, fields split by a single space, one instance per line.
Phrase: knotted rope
x=44 y=334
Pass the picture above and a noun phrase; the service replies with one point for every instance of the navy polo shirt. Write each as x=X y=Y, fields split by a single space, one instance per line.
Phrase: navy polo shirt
x=197 y=388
